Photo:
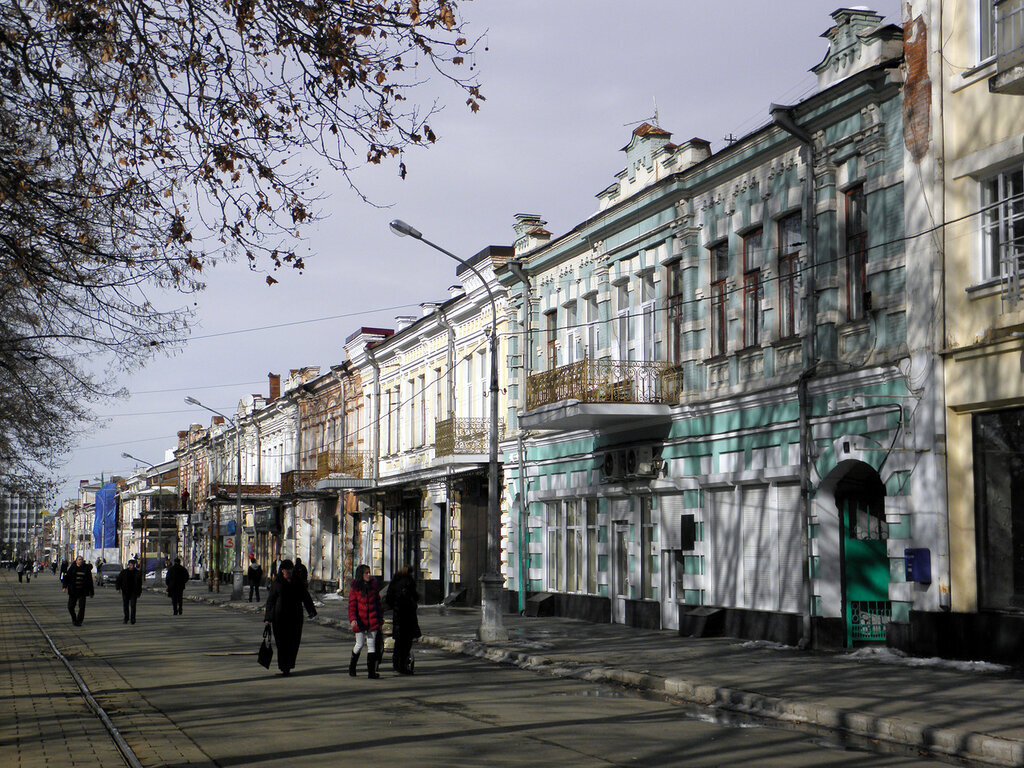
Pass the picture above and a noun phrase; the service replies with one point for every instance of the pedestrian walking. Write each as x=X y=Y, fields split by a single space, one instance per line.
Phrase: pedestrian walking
x=20 y=568
x=365 y=618
x=129 y=584
x=100 y=562
x=177 y=578
x=63 y=568
x=285 y=601
x=301 y=574
x=275 y=567
x=255 y=576
x=78 y=584
x=402 y=597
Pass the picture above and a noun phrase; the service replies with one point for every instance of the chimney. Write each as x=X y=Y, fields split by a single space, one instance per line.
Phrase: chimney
x=218 y=419
x=530 y=232
x=275 y=385
x=182 y=438
x=404 y=321
x=454 y=291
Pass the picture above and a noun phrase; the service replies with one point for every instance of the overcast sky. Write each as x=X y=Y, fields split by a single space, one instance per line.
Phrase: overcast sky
x=566 y=81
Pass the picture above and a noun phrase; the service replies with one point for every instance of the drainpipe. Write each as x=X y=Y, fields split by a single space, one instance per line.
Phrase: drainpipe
x=368 y=556
x=450 y=379
x=782 y=116
x=516 y=268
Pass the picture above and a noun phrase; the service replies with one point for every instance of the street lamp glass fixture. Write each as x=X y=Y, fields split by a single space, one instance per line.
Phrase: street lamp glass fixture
x=402 y=229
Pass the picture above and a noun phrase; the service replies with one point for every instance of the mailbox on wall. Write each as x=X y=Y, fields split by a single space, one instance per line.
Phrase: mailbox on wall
x=918 y=563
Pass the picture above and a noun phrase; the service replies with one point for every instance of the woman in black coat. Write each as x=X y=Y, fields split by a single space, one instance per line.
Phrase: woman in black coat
x=402 y=598
x=285 y=602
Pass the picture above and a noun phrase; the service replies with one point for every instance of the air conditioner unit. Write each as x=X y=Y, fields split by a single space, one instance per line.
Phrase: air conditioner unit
x=613 y=467
x=641 y=462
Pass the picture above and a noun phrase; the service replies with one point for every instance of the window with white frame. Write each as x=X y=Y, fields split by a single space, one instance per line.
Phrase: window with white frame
x=648 y=557
x=1002 y=224
x=593 y=327
x=648 y=330
x=555 y=537
x=573 y=343
x=592 y=537
x=571 y=556
x=625 y=323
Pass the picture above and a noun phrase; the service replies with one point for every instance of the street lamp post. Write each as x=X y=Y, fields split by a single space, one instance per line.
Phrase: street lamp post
x=236 y=585
x=492 y=628
x=160 y=529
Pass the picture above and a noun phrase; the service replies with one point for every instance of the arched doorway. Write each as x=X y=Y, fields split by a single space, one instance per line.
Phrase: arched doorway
x=860 y=503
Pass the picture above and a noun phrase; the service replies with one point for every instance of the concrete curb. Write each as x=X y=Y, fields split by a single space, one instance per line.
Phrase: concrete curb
x=966 y=745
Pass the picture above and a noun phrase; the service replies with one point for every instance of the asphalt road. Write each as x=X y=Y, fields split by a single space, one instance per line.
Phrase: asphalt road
x=187 y=691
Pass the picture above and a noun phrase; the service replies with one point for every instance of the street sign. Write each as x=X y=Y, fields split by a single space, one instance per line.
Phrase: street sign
x=229 y=542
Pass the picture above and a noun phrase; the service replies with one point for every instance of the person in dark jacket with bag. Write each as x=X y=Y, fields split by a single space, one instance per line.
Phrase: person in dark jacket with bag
x=78 y=584
x=129 y=584
x=177 y=578
x=402 y=597
x=365 y=617
x=285 y=602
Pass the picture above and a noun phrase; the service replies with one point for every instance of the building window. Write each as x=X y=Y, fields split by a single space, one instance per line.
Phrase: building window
x=999 y=501
x=752 y=288
x=555 y=554
x=573 y=546
x=648 y=332
x=572 y=536
x=592 y=536
x=573 y=344
x=719 y=273
x=648 y=556
x=675 y=311
x=551 y=334
x=593 y=328
x=1002 y=224
x=856 y=253
x=625 y=325
x=986 y=29
x=790 y=240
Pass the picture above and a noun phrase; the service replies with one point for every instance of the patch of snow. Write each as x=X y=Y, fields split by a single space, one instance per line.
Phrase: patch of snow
x=899 y=658
x=330 y=596
x=757 y=644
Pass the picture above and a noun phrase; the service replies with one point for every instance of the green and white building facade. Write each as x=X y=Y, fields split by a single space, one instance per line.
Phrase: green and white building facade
x=724 y=421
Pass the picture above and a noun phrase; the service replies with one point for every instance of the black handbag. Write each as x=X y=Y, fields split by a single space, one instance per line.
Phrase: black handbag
x=266 y=652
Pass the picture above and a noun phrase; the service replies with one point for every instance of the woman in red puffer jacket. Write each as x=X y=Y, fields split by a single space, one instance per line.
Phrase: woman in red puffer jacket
x=365 y=617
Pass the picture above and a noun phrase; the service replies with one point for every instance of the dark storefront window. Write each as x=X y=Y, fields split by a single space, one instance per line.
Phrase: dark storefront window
x=999 y=498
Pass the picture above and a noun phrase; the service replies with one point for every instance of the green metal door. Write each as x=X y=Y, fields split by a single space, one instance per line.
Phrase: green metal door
x=866 y=570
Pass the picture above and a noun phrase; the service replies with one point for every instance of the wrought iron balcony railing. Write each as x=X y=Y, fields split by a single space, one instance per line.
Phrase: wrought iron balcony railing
x=454 y=436
x=351 y=463
x=603 y=381
x=297 y=480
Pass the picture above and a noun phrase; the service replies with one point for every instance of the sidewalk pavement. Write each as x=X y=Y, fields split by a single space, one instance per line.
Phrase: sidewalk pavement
x=974 y=712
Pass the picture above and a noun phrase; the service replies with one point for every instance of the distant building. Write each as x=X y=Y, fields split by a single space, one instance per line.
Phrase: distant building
x=20 y=516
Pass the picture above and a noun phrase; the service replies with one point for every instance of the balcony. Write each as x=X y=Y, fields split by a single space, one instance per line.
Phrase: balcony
x=351 y=463
x=297 y=480
x=463 y=436
x=1009 y=45
x=593 y=394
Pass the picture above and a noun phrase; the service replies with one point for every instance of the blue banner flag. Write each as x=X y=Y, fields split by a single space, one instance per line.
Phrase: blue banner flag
x=104 y=524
